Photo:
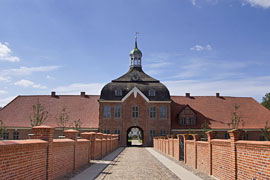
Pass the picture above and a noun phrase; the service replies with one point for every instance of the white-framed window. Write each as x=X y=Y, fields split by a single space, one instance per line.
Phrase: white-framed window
x=118 y=92
x=16 y=135
x=183 y=120
x=227 y=136
x=162 y=132
x=135 y=112
x=117 y=131
x=6 y=135
x=152 y=112
x=106 y=131
x=117 y=111
x=192 y=121
x=152 y=133
x=151 y=92
x=245 y=136
x=163 y=112
x=107 y=112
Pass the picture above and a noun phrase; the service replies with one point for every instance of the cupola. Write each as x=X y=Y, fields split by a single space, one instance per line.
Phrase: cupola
x=135 y=56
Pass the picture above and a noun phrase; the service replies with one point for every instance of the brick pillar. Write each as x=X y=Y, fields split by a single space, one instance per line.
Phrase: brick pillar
x=195 y=139
x=46 y=133
x=72 y=134
x=210 y=135
x=99 y=137
x=91 y=136
x=235 y=135
x=185 y=137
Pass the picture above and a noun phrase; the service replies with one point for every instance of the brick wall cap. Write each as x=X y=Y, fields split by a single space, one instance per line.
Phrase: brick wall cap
x=234 y=130
x=62 y=140
x=43 y=127
x=89 y=133
x=82 y=140
x=27 y=141
x=264 y=143
x=71 y=130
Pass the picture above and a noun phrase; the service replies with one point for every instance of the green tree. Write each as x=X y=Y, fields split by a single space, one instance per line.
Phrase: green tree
x=236 y=118
x=266 y=101
x=77 y=124
x=39 y=115
x=205 y=127
x=2 y=129
x=63 y=118
x=266 y=131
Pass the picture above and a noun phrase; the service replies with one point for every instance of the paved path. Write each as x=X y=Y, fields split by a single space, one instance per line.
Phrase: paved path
x=136 y=163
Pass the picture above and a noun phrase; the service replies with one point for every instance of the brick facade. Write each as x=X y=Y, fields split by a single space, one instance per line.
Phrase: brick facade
x=144 y=122
x=223 y=158
x=48 y=158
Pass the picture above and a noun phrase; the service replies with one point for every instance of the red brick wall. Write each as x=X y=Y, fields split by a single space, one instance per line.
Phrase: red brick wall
x=202 y=156
x=176 y=150
x=82 y=148
x=222 y=159
x=63 y=157
x=190 y=153
x=253 y=160
x=25 y=159
x=98 y=149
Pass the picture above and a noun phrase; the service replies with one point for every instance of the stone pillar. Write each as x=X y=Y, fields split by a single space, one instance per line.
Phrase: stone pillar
x=235 y=135
x=72 y=134
x=210 y=135
x=46 y=133
x=185 y=137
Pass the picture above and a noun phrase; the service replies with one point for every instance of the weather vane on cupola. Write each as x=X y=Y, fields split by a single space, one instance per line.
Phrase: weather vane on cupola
x=135 y=54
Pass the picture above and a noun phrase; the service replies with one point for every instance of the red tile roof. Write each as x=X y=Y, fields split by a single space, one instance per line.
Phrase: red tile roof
x=218 y=111
x=18 y=111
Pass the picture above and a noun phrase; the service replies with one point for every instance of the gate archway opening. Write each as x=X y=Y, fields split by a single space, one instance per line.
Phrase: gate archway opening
x=135 y=136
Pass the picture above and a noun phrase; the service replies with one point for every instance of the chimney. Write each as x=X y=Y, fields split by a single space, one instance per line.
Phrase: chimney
x=82 y=94
x=217 y=95
x=53 y=94
x=187 y=94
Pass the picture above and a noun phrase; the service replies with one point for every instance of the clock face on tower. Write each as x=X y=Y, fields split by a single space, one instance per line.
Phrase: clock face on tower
x=135 y=77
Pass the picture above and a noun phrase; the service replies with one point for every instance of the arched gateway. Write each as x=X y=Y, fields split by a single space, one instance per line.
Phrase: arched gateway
x=135 y=136
x=135 y=100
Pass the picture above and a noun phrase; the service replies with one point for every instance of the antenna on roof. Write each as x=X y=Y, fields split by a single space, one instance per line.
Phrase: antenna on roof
x=136 y=37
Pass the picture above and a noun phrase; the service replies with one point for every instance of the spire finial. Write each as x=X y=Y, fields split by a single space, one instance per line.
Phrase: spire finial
x=136 y=37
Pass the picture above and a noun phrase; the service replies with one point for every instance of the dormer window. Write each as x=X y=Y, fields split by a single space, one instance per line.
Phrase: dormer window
x=152 y=92
x=118 y=92
x=187 y=117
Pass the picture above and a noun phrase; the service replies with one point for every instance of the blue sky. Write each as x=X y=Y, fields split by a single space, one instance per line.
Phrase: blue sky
x=196 y=46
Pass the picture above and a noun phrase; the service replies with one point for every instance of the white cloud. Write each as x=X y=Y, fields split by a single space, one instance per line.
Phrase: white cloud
x=201 y=48
x=244 y=87
x=90 y=88
x=193 y=2
x=27 y=83
x=5 y=101
x=5 y=53
x=3 y=92
x=210 y=69
x=50 y=77
x=4 y=79
x=29 y=70
x=261 y=3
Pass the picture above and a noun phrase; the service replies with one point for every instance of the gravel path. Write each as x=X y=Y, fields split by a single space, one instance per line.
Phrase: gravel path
x=136 y=163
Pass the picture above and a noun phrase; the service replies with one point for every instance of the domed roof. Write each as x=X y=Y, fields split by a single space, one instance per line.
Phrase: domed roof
x=135 y=77
x=135 y=51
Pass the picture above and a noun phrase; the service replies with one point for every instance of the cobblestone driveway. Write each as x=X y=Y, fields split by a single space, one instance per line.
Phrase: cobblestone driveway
x=136 y=163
